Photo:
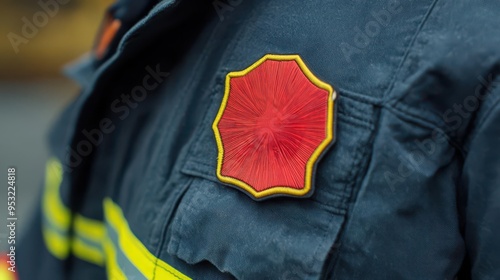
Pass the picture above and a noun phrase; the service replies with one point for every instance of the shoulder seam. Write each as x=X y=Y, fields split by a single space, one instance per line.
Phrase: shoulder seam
x=407 y=51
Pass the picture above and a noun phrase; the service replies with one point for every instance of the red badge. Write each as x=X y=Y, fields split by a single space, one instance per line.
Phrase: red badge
x=275 y=121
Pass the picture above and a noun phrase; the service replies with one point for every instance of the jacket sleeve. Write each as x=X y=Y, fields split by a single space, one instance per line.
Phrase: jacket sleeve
x=61 y=244
x=480 y=201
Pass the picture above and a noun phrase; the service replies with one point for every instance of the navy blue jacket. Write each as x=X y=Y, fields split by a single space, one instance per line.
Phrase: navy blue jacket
x=409 y=190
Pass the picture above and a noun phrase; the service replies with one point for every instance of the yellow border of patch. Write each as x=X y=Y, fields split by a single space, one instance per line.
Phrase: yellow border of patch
x=279 y=190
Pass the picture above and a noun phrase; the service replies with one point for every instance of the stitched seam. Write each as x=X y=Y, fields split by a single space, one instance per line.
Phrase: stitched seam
x=167 y=270
x=354 y=97
x=421 y=122
x=331 y=208
x=355 y=170
x=201 y=163
x=409 y=116
x=407 y=51
x=324 y=238
x=203 y=176
x=366 y=151
x=205 y=119
x=170 y=222
x=188 y=205
x=354 y=120
x=342 y=196
x=408 y=112
x=366 y=99
x=486 y=116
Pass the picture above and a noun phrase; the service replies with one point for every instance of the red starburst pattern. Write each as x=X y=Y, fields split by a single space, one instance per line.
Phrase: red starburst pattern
x=274 y=120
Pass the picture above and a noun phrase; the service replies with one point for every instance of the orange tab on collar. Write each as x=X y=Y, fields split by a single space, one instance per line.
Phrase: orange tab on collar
x=275 y=121
x=107 y=34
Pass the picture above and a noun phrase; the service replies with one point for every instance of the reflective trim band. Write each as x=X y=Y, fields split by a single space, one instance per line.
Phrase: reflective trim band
x=59 y=243
x=90 y=229
x=52 y=205
x=111 y=244
x=86 y=244
x=112 y=268
x=133 y=250
x=119 y=263
x=87 y=251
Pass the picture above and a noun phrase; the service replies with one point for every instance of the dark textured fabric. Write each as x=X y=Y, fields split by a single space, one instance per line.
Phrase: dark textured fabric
x=410 y=190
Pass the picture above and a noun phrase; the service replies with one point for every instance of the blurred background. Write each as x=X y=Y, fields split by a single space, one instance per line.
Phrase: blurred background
x=38 y=37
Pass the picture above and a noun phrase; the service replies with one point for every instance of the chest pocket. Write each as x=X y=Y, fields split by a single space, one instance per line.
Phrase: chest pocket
x=278 y=238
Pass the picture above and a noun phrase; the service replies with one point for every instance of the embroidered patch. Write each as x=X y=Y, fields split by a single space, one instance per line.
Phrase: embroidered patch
x=275 y=121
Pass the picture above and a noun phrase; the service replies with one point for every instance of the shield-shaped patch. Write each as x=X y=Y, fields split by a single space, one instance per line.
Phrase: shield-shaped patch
x=275 y=121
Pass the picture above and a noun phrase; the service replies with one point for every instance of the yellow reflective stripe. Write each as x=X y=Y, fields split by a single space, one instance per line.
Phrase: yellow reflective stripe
x=57 y=244
x=59 y=216
x=86 y=252
x=112 y=267
x=91 y=229
x=134 y=250
x=53 y=206
x=53 y=210
x=56 y=235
